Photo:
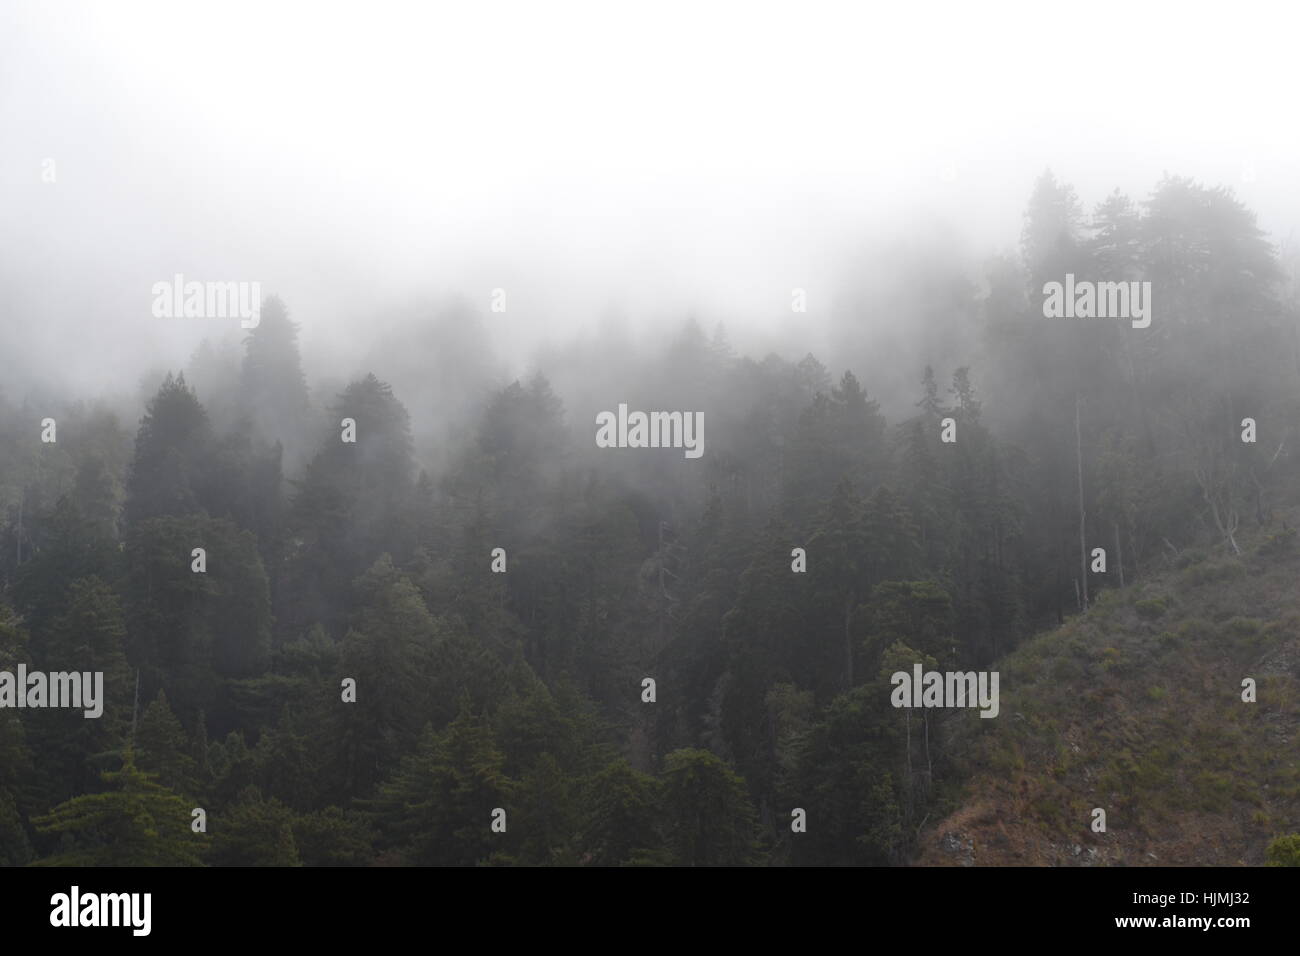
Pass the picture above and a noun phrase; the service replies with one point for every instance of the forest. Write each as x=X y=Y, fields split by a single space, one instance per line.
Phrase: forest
x=478 y=635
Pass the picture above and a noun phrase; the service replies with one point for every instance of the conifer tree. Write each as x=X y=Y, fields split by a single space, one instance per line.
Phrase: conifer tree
x=135 y=822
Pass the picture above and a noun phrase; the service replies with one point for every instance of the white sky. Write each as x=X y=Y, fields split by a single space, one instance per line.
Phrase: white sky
x=666 y=156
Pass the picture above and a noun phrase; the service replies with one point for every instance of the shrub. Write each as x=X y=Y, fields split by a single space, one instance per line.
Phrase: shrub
x=1151 y=608
x=1284 y=851
x=1202 y=574
x=1278 y=544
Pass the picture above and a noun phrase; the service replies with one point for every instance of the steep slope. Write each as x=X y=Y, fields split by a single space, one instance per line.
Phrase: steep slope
x=1136 y=708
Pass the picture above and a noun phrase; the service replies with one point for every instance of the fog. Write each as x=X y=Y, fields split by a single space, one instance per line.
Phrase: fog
x=598 y=413
x=374 y=164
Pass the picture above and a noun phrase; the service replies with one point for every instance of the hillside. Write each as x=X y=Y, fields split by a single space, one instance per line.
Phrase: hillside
x=1136 y=707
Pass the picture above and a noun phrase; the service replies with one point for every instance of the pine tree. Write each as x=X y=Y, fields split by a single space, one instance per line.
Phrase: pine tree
x=436 y=808
x=333 y=837
x=255 y=832
x=16 y=765
x=1052 y=232
x=273 y=388
x=839 y=572
x=135 y=822
x=163 y=748
x=172 y=451
x=88 y=638
x=620 y=816
x=188 y=630
x=710 y=820
x=388 y=652
x=351 y=506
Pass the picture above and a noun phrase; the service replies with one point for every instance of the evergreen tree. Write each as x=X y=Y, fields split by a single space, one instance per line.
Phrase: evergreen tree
x=255 y=832
x=437 y=808
x=620 y=816
x=163 y=749
x=273 y=388
x=173 y=449
x=88 y=638
x=135 y=822
x=710 y=821
x=386 y=652
x=351 y=506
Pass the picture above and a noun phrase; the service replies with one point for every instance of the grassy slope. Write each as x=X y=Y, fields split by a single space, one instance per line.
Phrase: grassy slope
x=1136 y=707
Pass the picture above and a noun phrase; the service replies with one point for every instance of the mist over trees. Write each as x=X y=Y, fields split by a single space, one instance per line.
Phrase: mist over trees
x=522 y=689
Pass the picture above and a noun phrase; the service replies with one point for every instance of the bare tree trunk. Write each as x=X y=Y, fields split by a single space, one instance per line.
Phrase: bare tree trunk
x=929 y=764
x=1262 y=514
x=1226 y=521
x=135 y=709
x=848 y=643
x=907 y=719
x=771 y=734
x=1119 y=555
x=1083 y=544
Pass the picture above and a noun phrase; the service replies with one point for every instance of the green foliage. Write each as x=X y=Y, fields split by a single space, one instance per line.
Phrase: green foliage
x=709 y=819
x=620 y=816
x=436 y=808
x=916 y=612
x=135 y=822
x=351 y=505
x=163 y=749
x=1151 y=609
x=848 y=775
x=88 y=637
x=519 y=691
x=333 y=837
x=68 y=547
x=1206 y=573
x=1280 y=544
x=273 y=388
x=173 y=449
x=1284 y=851
x=189 y=630
x=15 y=849
x=389 y=647
x=255 y=832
